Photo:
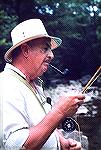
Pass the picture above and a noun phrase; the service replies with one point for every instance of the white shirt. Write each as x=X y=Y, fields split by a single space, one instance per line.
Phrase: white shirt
x=21 y=110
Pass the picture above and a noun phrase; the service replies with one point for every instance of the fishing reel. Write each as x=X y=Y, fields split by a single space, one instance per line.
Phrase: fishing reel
x=71 y=129
x=69 y=124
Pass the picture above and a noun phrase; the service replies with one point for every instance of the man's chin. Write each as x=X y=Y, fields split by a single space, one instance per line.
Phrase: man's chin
x=45 y=68
x=43 y=71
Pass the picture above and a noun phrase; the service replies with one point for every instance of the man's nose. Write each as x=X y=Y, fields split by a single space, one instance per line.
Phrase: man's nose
x=50 y=54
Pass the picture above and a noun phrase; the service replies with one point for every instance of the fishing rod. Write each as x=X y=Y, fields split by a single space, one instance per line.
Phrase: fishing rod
x=92 y=80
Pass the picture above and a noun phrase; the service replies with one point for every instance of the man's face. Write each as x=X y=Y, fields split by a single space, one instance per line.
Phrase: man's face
x=40 y=55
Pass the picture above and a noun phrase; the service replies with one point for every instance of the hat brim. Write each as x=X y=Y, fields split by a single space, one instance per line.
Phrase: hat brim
x=55 y=42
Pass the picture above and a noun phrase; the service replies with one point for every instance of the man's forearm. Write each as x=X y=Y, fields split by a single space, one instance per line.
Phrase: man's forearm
x=39 y=134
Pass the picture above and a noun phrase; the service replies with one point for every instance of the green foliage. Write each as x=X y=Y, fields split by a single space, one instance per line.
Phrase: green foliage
x=7 y=22
x=77 y=22
x=98 y=32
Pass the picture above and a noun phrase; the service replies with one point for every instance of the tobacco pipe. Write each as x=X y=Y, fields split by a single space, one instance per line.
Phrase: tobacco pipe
x=65 y=72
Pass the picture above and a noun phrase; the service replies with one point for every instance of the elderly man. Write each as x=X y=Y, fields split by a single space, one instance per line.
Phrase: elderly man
x=28 y=122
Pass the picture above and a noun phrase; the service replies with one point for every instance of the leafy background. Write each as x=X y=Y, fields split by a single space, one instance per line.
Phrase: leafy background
x=76 y=22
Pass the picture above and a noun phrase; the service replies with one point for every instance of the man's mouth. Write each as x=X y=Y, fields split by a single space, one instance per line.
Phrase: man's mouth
x=46 y=64
x=47 y=61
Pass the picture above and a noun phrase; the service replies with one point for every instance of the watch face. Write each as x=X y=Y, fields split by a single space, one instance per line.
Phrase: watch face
x=69 y=125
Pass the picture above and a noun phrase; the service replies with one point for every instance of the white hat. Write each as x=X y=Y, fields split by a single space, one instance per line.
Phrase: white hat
x=29 y=30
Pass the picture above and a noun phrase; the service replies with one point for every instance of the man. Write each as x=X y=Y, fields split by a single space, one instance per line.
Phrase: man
x=28 y=122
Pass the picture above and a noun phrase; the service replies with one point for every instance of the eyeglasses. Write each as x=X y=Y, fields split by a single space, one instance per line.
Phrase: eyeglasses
x=44 y=49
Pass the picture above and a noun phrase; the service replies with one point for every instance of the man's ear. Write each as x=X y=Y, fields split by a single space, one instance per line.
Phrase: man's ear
x=25 y=50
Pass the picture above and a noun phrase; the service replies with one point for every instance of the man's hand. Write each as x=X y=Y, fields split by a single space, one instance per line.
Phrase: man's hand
x=68 y=105
x=70 y=144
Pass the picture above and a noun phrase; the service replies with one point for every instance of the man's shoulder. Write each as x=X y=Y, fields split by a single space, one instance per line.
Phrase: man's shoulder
x=7 y=80
x=2 y=76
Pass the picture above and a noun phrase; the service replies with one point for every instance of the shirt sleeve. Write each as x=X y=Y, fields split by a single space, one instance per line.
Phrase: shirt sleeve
x=15 y=119
x=17 y=139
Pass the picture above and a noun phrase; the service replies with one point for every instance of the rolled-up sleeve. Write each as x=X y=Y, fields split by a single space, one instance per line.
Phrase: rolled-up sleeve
x=16 y=139
x=15 y=120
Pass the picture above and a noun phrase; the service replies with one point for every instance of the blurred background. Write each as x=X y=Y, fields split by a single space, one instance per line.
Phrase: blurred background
x=78 y=24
